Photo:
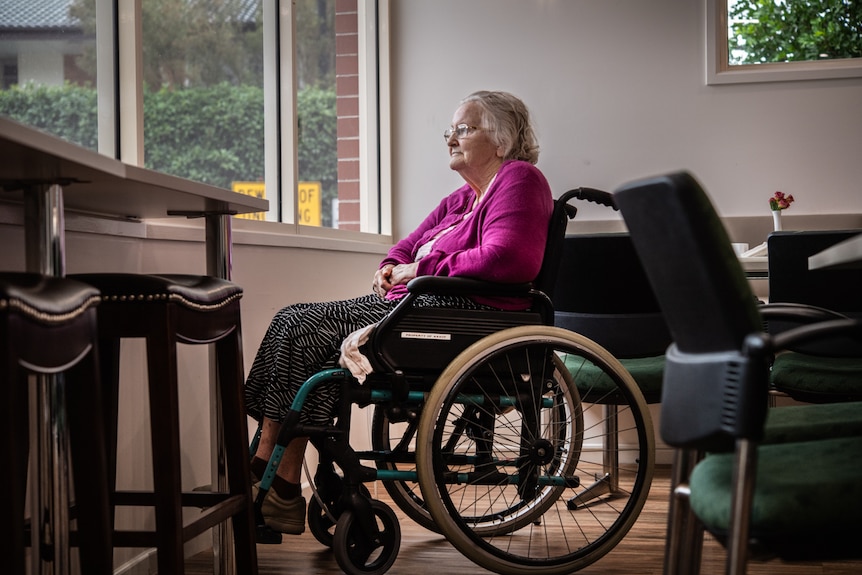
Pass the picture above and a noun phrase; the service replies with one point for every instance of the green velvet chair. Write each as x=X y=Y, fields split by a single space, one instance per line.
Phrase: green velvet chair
x=798 y=497
x=825 y=370
x=602 y=293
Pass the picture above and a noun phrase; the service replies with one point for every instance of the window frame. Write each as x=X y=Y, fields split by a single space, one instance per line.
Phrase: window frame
x=719 y=71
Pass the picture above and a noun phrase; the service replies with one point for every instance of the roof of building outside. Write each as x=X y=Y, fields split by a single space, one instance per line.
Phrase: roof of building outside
x=35 y=14
x=54 y=14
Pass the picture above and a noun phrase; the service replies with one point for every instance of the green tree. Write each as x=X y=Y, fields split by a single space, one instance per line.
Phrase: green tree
x=192 y=42
x=795 y=30
x=315 y=46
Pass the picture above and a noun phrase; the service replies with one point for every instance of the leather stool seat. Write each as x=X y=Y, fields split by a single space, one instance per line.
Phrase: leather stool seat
x=166 y=310
x=48 y=326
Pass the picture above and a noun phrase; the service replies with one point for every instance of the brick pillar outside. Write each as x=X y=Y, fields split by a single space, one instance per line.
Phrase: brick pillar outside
x=347 y=110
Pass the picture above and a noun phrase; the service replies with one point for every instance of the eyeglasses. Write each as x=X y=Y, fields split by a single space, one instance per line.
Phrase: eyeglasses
x=460 y=130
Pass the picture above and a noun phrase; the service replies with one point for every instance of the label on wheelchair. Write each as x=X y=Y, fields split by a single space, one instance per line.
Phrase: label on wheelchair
x=423 y=335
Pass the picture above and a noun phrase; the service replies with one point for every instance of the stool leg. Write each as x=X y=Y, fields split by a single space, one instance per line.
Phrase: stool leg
x=165 y=433
x=109 y=371
x=87 y=440
x=235 y=426
x=14 y=450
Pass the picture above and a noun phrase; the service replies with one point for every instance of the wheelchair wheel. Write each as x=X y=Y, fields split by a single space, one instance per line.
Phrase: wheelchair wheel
x=354 y=550
x=321 y=522
x=324 y=507
x=398 y=438
x=494 y=443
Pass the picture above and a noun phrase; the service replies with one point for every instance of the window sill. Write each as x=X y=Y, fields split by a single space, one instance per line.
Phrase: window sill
x=243 y=232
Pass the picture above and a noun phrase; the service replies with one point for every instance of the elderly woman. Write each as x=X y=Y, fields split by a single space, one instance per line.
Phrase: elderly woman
x=494 y=228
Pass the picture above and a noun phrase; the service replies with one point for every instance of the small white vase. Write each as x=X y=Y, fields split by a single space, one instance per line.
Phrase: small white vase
x=776 y=220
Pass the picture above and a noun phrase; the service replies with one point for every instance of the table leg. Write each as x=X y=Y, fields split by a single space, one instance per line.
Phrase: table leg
x=218 y=248
x=44 y=229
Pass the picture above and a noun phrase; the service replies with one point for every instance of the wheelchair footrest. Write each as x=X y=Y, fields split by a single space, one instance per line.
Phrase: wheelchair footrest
x=267 y=535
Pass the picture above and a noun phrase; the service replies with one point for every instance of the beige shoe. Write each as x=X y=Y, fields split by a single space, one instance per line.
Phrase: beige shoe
x=284 y=515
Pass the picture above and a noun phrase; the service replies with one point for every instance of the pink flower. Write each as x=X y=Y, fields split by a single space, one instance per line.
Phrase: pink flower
x=780 y=201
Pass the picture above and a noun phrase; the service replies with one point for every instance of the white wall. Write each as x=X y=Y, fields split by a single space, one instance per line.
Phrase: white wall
x=618 y=92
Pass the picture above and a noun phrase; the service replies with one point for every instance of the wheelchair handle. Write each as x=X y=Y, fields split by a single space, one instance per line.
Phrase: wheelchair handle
x=591 y=195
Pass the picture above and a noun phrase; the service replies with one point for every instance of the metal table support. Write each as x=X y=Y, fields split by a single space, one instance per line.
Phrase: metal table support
x=49 y=496
x=219 y=254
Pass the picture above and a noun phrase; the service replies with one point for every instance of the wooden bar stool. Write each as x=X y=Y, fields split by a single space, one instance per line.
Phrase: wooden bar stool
x=48 y=327
x=166 y=310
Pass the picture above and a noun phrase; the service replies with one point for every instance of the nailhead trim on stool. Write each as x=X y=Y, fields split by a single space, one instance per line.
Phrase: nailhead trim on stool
x=48 y=326
x=166 y=310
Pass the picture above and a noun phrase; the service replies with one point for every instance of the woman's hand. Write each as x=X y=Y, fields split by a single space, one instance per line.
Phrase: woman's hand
x=403 y=273
x=392 y=275
x=382 y=281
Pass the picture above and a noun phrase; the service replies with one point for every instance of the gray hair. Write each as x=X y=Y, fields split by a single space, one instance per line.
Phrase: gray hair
x=507 y=120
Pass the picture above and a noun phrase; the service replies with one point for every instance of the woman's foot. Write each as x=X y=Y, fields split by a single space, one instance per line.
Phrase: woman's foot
x=284 y=515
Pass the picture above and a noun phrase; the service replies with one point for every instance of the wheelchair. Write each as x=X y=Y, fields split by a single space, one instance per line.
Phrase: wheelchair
x=484 y=428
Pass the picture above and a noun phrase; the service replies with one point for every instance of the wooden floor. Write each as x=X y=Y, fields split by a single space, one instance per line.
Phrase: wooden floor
x=422 y=552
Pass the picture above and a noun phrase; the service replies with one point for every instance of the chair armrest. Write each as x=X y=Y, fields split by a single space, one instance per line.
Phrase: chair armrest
x=798 y=312
x=835 y=339
x=811 y=332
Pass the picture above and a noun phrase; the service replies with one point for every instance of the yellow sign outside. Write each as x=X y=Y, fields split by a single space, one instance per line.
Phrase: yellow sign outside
x=256 y=189
x=309 y=204
x=308 y=213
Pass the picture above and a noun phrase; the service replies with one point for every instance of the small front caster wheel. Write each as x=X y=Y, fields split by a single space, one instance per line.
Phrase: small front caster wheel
x=361 y=553
x=320 y=522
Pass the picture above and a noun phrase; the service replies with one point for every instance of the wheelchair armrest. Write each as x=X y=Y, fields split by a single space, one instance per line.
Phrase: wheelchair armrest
x=447 y=285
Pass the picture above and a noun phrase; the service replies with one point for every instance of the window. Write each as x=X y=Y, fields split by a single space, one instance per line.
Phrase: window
x=334 y=79
x=777 y=40
x=49 y=73
x=276 y=98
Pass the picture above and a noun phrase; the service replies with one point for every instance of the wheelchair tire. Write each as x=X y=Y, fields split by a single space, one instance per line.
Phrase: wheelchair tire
x=400 y=437
x=324 y=511
x=355 y=553
x=506 y=455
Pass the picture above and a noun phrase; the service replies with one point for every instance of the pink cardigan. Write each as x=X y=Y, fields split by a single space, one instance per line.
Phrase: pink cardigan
x=502 y=241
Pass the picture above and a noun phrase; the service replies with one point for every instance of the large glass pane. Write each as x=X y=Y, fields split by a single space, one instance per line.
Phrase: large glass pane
x=47 y=54
x=203 y=91
x=317 y=194
x=328 y=113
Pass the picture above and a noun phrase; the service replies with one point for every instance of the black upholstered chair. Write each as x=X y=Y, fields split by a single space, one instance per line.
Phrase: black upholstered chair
x=48 y=327
x=603 y=293
x=798 y=497
x=166 y=310
x=826 y=370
